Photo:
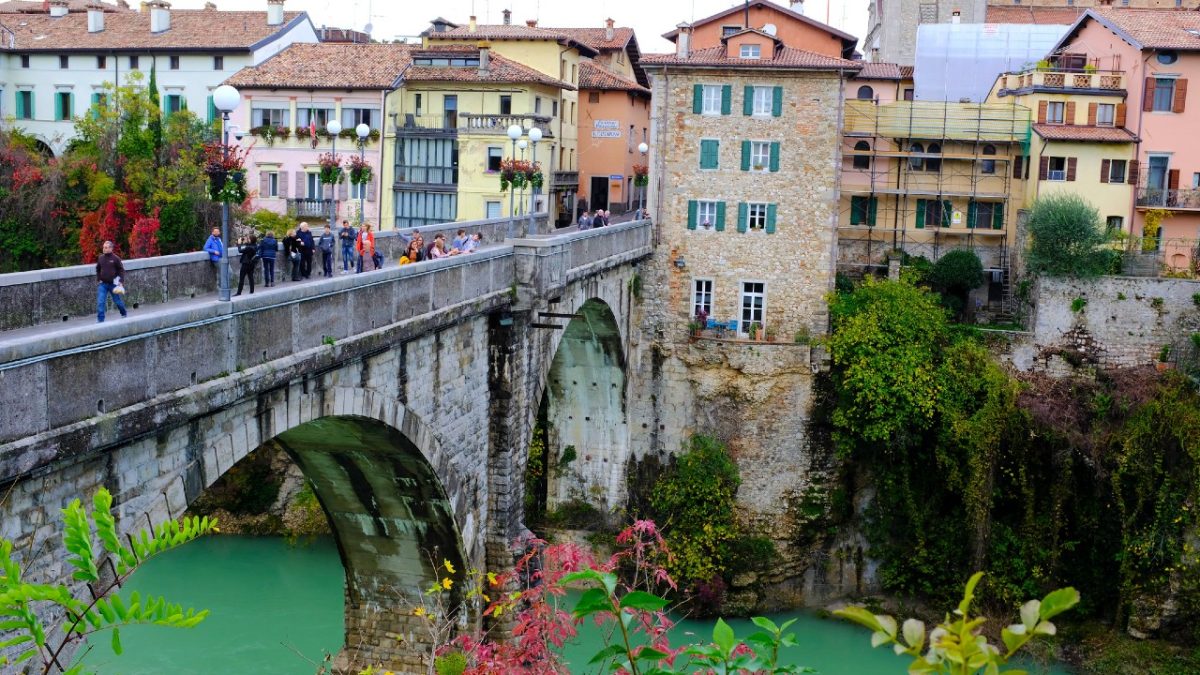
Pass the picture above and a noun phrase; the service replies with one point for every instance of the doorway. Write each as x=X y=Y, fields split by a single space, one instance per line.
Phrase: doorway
x=599 y=193
x=1156 y=180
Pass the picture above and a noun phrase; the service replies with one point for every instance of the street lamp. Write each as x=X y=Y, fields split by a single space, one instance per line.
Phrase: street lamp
x=363 y=131
x=535 y=135
x=226 y=100
x=643 y=148
x=334 y=128
x=514 y=132
x=522 y=145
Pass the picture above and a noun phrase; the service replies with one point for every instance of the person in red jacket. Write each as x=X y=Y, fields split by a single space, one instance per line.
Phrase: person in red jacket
x=365 y=245
x=109 y=271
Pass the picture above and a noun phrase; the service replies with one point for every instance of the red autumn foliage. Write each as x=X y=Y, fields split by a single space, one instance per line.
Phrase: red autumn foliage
x=115 y=221
x=143 y=241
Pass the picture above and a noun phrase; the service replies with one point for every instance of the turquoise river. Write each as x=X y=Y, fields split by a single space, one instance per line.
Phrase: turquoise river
x=277 y=609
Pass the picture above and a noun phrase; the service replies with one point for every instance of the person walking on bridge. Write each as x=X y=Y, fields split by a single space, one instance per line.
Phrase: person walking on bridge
x=325 y=244
x=109 y=271
x=268 y=248
x=346 y=236
x=304 y=236
x=248 y=250
x=365 y=246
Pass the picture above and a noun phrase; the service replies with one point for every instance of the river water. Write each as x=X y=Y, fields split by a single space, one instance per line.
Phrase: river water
x=277 y=609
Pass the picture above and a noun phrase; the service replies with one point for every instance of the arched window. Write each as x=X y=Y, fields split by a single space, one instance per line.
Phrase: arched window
x=862 y=161
x=915 y=163
x=866 y=93
x=932 y=163
x=989 y=165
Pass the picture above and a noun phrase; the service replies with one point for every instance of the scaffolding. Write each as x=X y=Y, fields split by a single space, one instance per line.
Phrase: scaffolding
x=925 y=177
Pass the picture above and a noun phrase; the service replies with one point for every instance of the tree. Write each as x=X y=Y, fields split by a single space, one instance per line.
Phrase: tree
x=955 y=275
x=1067 y=238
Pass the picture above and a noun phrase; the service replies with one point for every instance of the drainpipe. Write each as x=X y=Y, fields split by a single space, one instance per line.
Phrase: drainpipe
x=1137 y=149
x=379 y=174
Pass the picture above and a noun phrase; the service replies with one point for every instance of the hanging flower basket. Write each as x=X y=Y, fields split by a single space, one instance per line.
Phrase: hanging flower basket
x=641 y=175
x=331 y=169
x=226 y=170
x=360 y=171
x=517 y=173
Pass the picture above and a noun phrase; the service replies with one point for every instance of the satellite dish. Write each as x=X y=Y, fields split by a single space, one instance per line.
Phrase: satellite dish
x=770 y=29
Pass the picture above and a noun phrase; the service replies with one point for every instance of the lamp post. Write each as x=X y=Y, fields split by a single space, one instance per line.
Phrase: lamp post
x=522 y=145
x=334 y=128
x=514 y=132
x=535 y=135
x=643 y=148
x=226 y=100
x=363 y=131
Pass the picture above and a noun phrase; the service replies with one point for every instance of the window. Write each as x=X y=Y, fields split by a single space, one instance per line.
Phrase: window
x=306 y=117
x=1164 y=94
x=932 y=213
x=64 y=62
x=1057 y=168
x=1114 y=224
x=862 y=210
x=593 y=97
x=709 y=154
x=494 y=157
x=915 y=163
x=491 y=209
x=862 y=161
x=506 y=105
x=427 y=161
x=866 y=93
x=1055 y=112
x=270 y=117
x=1105 y=114
x=756 y=216
x=1116 y=171
x=908 y=94
x=25 y=105
x=726 y=31
x=554 y=108
x=101 y=62
x=706 y=215
x=753 y=296
x=272 y=186
x=173 y=103
x=133 y=62
x=174 y=63
x=982 y=215
x=417 y=209
x=712 y=100
x=358 y=191
x=24 y=60
x=574 y=74
x=537 y=105
x=702 y=290
x=1168 y=57
x=750 y=52
x=64 y=106
x=1195 y=180
x=218 y=63
x=352 y=117
x=764 y=100
x=988 y=165
x=760 y=155
x=312 y=186
x=934 y=163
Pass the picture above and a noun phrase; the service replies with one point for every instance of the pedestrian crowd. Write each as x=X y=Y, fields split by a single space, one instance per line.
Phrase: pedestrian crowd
x=589 y=219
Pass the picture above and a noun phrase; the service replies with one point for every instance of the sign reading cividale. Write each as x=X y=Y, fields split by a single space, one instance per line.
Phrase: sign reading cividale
x=606 y=129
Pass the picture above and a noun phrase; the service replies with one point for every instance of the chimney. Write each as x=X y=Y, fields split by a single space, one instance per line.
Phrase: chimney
x=532 y=23
x=683 y=40
x=507 y=17
x=95 y=17
x=160 y=15
x=608 y=30
x=472 y=25
x=797 y=6
x=956 y=16
x=274 y=12
x=485 y=58
x=59 y=8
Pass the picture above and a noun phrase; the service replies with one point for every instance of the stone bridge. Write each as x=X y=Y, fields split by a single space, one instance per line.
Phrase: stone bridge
x=407 y=396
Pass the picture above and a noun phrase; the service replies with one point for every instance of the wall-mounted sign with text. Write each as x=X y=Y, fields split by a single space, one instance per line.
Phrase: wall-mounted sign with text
x=607 y=124
x=604 y=133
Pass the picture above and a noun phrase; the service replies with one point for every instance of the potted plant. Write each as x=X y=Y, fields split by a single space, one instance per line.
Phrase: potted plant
x=331 y=169
x=225 y=167
x=694 y=329
x=360 y=171
x=516 y=173
x=641 y=175
x=754 y=331
x=770 y=334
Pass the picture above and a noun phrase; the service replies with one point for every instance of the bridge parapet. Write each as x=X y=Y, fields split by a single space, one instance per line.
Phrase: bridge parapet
x=545 y=265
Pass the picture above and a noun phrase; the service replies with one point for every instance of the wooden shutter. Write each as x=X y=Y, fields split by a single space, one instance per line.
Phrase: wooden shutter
x=947 y=211
x=920 y=214
x=1092 y=114
x=344 y=188
x=726 y=99
x=856 y=210
x=748 y=101
x=58 y=109
x=693 y=209
x=283 y=185
x=20 y=106
x=720 y=226
x=777 y=102
x=1042 y=106
x=263 y=187
x=774 y=167
x=371 y=194
x=300 y=186
x=1072 y=163
x=1105 y=165
x=212 y=110
x=1018 y=162
x=743 y=217
x=1119 y=118
x=1173 y=179
x=1180 y=95
x=745 y=155
x=872 y=207
x=771 y=213
x=1069 y=114
x=1043 y=167
x=698 y=99
x=1134 y=167
x=1148 y=95
x=972 y=214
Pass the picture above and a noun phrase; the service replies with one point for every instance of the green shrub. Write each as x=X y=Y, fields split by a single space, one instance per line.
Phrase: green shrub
x=957 y=272
x=450 y=663
x=277 y=224
x=842 y=283
x=1078 y=304
x=1067 y=238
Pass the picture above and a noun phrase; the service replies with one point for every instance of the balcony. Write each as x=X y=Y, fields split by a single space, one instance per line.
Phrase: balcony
x=428 y=125
x=1064 y=81
x=564 y=180
x=497 y=125
x=1160 y=198
x=310 y=208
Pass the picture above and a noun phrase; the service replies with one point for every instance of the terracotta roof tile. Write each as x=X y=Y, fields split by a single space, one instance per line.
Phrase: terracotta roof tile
x=328 y=66
x=512 y=32
x=597 y=39
x=739 y=7
x=1154 y=28
x=37 y=7
x=1071 y=132
x=906 y=72
x=879 y=71
x=787 y=57
x=191 y=29
x=1040 y=15
x=500 y=69
x=592 y=76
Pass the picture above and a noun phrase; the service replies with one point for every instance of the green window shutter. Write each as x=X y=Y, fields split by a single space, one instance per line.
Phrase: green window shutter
x=743 y=217
x=709 y=151
x=20 y=106
x=771 y=213
x=698 y=99
x=774 y=157
x=920 y=214
x=183 y=103
x=32 y=106
x=998 y=216
x=972 y=214
x=745 y=155
x=720 y=227
x=58 y=109
x=748 y=102
x=693 y=209
x=777 y=102
x=872 y=207
x=856 y=209
x=95 y=107
x=726 y=99
x=212 y=110
x=947 y=211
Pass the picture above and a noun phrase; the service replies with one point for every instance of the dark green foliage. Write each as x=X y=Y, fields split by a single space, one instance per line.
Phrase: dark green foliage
x=957 y=273
x=842 y=283
x=250 y=487
x=1067 y=238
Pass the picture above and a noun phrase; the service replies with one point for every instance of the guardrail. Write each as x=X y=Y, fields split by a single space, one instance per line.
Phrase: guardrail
x=1168 y=199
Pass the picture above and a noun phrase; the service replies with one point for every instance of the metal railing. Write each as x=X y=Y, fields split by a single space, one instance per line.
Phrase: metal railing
x=428 y=124
x=1169 y=199
x=562 y=179
x=1161 y=256
x=310 y=208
